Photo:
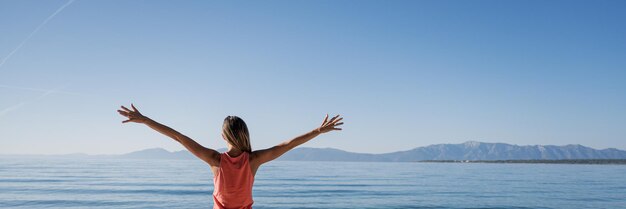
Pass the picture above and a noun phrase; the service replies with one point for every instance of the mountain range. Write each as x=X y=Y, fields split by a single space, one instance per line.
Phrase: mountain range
x=471 y=150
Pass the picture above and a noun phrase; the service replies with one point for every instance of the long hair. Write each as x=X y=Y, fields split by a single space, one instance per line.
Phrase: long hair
x=236 y=133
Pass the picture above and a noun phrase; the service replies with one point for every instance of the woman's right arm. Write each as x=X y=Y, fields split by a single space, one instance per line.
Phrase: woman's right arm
x=262 y=156
x=208 y=155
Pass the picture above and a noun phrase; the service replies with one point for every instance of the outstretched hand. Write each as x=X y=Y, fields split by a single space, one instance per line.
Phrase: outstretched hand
x=132 y=115
x=330 y=125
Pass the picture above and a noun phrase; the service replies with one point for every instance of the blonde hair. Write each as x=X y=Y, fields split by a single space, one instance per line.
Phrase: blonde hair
x=236 y=133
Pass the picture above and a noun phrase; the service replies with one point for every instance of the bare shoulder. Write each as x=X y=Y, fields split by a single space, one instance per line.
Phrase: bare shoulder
x=253 y=157
x=211 y=156
x=259 y=157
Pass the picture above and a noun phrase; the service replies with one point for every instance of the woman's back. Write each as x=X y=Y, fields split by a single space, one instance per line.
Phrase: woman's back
x=233 y=182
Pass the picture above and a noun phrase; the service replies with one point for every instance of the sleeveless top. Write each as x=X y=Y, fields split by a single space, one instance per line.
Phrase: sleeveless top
x=233 y=183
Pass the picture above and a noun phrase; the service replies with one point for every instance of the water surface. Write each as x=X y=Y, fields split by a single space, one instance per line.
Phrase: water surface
x=122 y=183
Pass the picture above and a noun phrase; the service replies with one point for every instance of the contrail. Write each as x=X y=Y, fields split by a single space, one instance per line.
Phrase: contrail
x=40 y=90
x=18 y=105
x=35 y=31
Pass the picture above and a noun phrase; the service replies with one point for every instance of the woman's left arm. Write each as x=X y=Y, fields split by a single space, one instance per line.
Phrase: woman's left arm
x=208 y=155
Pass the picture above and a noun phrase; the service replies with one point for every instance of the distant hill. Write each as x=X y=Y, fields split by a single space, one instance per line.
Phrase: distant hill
x=159 y=153
x=470 y=150
x=473 y=150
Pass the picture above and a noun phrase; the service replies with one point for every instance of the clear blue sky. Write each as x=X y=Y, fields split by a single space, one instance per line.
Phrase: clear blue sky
x=403 y=73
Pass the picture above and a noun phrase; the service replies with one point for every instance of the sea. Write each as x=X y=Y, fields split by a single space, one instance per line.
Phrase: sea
x=123 y=183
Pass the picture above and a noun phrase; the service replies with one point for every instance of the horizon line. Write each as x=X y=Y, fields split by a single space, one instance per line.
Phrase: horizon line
x=172 y=151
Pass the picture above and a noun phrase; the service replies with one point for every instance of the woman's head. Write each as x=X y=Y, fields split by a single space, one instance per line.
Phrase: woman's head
x=235 y=132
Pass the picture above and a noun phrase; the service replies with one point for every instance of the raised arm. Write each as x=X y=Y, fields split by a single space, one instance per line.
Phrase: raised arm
x=262 y=156
x=208 y=155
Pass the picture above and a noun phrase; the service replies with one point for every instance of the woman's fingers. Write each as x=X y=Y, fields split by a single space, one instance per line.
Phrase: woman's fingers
x=325 y=119
x=132 y=115
x=333 y=122
x=126 y=109
x=122 y=113
x=333 y=119
x=133 y=106
x=337 y=120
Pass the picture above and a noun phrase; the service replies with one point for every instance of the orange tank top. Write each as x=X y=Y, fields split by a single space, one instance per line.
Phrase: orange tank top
x=233 y=183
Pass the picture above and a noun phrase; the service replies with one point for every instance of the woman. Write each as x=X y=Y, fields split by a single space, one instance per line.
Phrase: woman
x=233 y=170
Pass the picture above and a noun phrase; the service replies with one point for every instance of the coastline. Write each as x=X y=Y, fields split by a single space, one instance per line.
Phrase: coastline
x=564 y=161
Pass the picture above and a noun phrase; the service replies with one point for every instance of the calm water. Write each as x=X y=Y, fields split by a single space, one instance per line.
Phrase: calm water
x=106 y=183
